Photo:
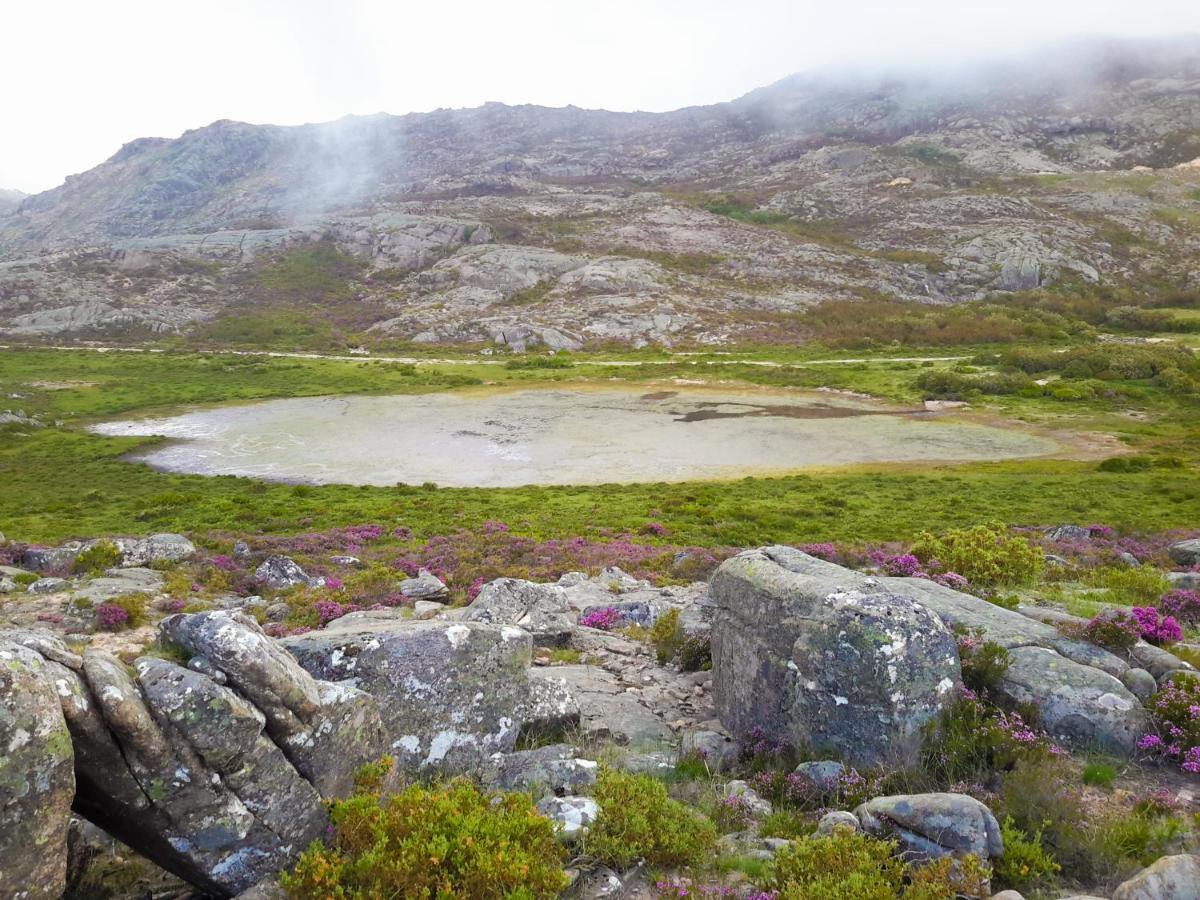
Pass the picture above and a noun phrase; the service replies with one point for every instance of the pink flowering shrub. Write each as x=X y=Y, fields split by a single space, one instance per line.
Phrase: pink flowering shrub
x=222 y=562
x=1115 y=630
x=110 y=617
x=797 y=790
x=1183 y=605
x=904 y=565
x=1156 y=628
x=825 y=551
x=733 y=813
x=1175 y=711
x=973 y=739
x=658 y=529
x=279 y=629
x=605 y=618
x=328 y=610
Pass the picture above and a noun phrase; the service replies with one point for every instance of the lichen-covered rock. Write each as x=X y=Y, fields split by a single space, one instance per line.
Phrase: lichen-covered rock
x=451 y=693
x=1158 y=662
x=425 y=586
x=1170 y=878
x=851 y=671
x=1186 y=553
x=572 y=815
x=1079 y=705
x=555 y=769
x=163 y=547
x=603 y=708
x=37 y=779
x=327 y=731
x=540 y=609
x=282 y=572
x=929 y=826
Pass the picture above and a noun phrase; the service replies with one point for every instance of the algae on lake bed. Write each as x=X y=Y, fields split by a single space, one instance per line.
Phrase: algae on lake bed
x=585 y=434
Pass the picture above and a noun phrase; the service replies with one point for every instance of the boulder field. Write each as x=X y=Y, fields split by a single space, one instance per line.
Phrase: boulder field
x=216 y=758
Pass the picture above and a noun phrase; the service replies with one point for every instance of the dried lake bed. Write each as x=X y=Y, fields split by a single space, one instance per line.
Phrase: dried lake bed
x=584 y=434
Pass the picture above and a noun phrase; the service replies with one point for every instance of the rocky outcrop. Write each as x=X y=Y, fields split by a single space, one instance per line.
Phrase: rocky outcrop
x=451 y=693
x=1073 y=683
x=37 y=780
x=217 y=771
x=540 y=609
x=282 y=572
x=929 y=826
x=832 y=667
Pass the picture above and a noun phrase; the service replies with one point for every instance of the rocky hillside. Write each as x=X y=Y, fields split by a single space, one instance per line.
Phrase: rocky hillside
x=10 y=200
x=520 y=225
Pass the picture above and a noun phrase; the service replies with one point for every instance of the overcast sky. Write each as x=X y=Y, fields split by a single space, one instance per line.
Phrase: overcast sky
x=82 y=77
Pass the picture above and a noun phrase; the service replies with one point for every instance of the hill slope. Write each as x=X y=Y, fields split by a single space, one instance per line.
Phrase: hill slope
x=570 y=226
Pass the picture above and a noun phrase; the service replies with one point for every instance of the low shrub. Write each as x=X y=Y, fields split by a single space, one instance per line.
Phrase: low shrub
x=1156 y=628
x=450 y=841
x=1182 y=604
x=984 y=662
x=971 y=740
x=848 y=865
x=1115 y=630
x=123 y=612
x=98 y=557
x=1128 y=586
x=638 y=820
x=986 y=555
x=1175 y=711
x=1026 y=864
x=1098 y=774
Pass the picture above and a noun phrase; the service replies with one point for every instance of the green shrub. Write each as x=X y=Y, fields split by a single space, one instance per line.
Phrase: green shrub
x=25 y=579
x=451 y=841
x=971 y=740
x=986 y=555
x=100 y=556
x=848 y=865
x=639 y=821
x=671 y=642
x=984 y=663
x=1130 y=586
x=786 y=823
x=1026 y=864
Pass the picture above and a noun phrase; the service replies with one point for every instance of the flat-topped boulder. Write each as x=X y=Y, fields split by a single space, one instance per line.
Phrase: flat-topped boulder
x=451 y=693
x=849 y=668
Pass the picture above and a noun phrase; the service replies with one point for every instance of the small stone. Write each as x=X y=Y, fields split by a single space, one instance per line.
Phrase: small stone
x=573 y=814
x=426 y=586
x=758 y=805
x=427 y=609
x=825 y=775
x=1140 y=683
x=837 y=819
x=1170 y=878
x=1186 y=553
x=281 y=572
x=48 y=586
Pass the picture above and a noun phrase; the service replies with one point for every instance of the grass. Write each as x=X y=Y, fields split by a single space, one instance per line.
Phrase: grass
x=62 y=482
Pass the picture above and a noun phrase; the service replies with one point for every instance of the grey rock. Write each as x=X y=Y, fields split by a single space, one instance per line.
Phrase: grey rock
x=1184 y=581
x=1079 y=705
x=48 y=586
x=856 y=672
x=451 y=693
x=281 y=572
x=426 y=586
x=345 y=560
x=1170 y=878
x=556 y=769
x=241 y=548
x=573 y=815
x=832 y=821
x=165 y=547
x=825 y=775
x=7 y=585
x=1186 y=553
x=51 y=559
x=37 y=777
x=1128 y=559
x=1069 y=533
x=427 y=609
x=327 y=731
x=1140 y=683
x=1008 y=895
x=540 y=609
x=1157 y=661
x=718 y=750
x=631 y=612
x=119 y=583
x=606 y=710
x=929 y=826
x=278 y=612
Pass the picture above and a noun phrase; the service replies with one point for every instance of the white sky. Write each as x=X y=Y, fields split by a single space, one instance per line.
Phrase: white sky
x=82 y=77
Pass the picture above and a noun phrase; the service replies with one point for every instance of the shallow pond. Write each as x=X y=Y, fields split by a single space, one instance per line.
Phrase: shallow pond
x=577 y=435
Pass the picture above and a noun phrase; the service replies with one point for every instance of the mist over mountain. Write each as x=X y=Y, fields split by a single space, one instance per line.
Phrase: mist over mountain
x=693 y=225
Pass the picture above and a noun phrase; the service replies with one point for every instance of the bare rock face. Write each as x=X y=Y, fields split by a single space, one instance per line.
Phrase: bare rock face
x=37 y=779
x=854 y=672
x=217 y=771
x=326 y=730
x=451 y=693
x=540 y=609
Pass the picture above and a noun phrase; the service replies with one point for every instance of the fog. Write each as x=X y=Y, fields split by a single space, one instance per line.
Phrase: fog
x=82 y=78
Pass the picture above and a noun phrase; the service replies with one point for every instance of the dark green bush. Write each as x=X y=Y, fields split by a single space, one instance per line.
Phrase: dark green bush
x=96 y=558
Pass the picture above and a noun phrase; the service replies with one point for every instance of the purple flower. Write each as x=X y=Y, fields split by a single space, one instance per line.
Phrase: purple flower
x=111 y=617
x=605 y=618
x=222 y=562
x=905 y=565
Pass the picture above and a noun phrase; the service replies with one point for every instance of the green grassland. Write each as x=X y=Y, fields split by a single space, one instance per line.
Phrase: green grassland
x=61 y=481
